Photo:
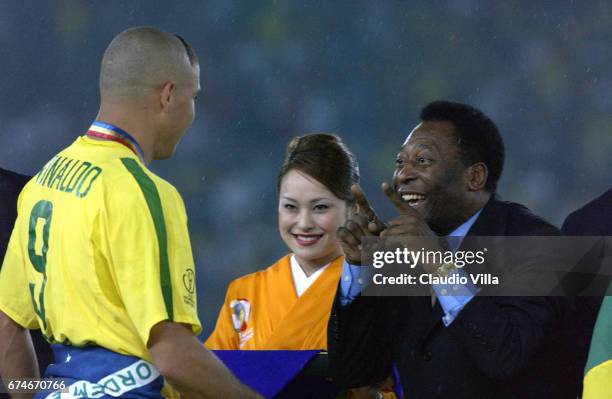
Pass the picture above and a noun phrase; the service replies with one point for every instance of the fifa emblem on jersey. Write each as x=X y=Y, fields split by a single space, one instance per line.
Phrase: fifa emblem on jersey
x=241 y=311
x=189 y=284
x=189 y=280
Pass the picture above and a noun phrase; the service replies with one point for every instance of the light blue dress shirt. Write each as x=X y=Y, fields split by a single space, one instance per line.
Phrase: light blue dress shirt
x=452 y=297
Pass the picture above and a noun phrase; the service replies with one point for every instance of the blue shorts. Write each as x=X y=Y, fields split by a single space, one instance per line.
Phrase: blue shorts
x=95 y=372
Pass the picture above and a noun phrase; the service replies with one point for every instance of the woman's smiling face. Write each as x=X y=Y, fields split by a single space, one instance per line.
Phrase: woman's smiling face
x=308 y=216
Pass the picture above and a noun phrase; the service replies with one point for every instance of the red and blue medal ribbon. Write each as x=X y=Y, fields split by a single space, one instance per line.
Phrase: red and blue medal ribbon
x=110 y=132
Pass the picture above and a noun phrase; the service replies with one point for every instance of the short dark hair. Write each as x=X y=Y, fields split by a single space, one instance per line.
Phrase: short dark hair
x=325 y=158
x=191 y=54
x=477 y=136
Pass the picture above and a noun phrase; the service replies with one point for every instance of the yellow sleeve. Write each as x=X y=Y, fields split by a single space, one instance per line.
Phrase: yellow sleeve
x=150 y=254
x=182 y=268
x=224 y=336
x=15 y=300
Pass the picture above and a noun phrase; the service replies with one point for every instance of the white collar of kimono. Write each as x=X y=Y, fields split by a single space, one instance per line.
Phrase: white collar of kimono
x=300 y=280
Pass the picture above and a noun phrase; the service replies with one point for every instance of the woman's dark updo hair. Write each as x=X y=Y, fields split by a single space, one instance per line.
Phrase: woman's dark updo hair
x=325 y=158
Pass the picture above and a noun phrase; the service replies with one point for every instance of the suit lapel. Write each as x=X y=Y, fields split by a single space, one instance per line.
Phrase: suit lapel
x=434 y=320
x=491 y=222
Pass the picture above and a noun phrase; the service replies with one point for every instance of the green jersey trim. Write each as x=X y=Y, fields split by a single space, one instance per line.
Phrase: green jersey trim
x=148 y=188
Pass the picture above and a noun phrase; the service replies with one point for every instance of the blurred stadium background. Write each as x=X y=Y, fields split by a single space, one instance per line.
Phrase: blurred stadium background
x=362 y=69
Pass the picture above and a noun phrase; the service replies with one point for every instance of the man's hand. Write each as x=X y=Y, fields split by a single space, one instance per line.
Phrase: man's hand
x=409 y=229
x=363 y=223
x=191 y=368
x=17 y=357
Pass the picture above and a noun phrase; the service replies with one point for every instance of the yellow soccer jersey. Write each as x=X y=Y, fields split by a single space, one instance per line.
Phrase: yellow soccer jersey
x=100 y=252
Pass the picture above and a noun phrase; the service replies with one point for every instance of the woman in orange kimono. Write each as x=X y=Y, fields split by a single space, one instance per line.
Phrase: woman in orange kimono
x=287 y=305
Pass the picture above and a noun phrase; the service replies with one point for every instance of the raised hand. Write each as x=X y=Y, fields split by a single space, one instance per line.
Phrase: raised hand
x=409 y=229
x=375 y=224
x=409 y=222
x=363 y=223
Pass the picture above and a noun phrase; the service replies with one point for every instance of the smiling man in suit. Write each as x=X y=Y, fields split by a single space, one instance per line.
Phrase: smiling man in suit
x=467 y=346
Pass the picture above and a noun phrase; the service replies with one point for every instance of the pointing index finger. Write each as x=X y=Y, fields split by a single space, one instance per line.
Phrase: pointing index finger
x=362 y=201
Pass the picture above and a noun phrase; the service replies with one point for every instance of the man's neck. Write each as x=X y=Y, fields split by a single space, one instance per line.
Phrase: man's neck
x=129 y=121
x=476 y=202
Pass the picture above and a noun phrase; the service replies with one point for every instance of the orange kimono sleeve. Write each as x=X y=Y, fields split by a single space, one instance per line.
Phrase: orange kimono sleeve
x=224 y=336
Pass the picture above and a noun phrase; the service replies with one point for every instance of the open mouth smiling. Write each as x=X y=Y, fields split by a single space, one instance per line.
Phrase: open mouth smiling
x=413 y=199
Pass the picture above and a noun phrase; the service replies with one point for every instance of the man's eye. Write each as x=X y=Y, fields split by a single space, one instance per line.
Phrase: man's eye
x=423 y=160
x=289 y=207
x=399 y=163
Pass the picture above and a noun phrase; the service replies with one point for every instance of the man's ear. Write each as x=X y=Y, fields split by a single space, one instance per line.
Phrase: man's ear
x=167 y=94
x=476 y=176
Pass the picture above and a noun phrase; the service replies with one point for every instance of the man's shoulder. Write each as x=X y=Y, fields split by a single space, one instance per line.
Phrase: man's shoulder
x=11 y=181
x=591 y=219
x=117 y=170
x=522 y=219
x=506 y=218
x=130 y=174
x=145 y=177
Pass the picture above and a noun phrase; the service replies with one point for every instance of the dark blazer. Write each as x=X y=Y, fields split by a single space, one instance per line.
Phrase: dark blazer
x=492 y=340
x=593 y=219
x=11 y=184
